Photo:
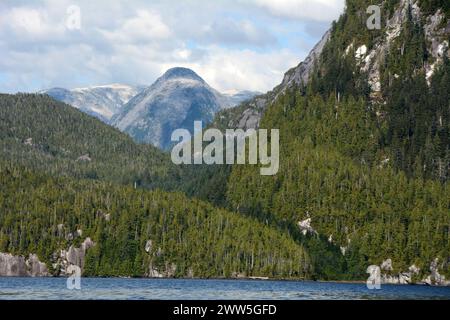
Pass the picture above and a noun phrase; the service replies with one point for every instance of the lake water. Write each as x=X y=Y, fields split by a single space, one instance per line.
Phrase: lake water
x=174 y=289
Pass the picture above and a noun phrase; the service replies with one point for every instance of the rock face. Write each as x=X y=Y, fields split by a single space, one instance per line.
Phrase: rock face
x=250 y=118
x=300 y=74
x=148 y=246
x=369 y=61
x=18 y=266
x=305 y=227
x=436 y=34
x=438 y=37
x=168 y=271
x=150 y=114
x=407 y=277
x=386 y=265
x=72 y=257
x=435 y=278
x=401 y=278
x=36 y=268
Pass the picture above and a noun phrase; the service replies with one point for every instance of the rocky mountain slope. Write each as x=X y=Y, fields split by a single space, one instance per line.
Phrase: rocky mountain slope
x=99 y=101
x=175 y=100
x=248 y=114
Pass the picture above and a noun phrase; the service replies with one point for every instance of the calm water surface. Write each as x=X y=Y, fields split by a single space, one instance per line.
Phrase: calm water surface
x=139 y=289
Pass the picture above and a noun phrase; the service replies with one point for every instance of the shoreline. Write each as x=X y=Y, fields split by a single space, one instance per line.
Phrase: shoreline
x=236 y=279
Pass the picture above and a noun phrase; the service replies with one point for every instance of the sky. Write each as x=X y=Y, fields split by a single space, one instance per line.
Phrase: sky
x=232 y=44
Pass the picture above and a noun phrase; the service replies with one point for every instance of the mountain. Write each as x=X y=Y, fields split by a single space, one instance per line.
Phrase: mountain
x=248 y=114
x=364 y=173
x=49 y=136
x=99 y=101
x=175 y=100
x=365 y=147
x=74 y=192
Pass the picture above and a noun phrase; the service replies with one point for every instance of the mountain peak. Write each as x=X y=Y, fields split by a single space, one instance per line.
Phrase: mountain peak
x=179 y=72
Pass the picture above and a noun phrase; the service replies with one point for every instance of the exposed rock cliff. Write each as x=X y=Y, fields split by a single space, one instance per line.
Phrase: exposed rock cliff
x=72 y=257
x=410 y=276
x=19 y=266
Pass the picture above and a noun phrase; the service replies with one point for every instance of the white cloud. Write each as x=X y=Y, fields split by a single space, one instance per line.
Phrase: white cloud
x=228 y=69
x=318 y=10
x=229 y=31
x=244 y=44
x=28 y=22
x=145 y=26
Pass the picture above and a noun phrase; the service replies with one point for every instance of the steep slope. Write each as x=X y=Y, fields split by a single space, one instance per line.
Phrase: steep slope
x=68 y=196
x=110 y=230
x=365 y=148
x=174 y=101
x=248 y=114
x=46 y=135
x=99 y=101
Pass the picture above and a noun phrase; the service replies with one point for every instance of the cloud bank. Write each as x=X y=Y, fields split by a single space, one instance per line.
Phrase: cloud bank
x=241 y=44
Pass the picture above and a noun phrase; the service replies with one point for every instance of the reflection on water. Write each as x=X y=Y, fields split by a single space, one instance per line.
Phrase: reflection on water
x=138 y=289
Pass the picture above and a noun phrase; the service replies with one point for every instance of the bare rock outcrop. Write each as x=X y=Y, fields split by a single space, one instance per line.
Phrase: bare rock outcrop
x=35 y=267
x=168 y=271
x=19 y=266
x=300 y=74
x=435 y=278
x=410 y=276
x=73 y=257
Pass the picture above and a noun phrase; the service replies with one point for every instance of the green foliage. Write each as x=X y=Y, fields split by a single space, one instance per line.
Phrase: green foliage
x=61 y=134
x=430 y=7
x=327 y=172
x=411 y=116
x=371 y=172
x=417 y=126
x=189 y=234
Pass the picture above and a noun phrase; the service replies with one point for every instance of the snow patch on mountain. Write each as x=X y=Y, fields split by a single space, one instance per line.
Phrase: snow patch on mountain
x=99 y=101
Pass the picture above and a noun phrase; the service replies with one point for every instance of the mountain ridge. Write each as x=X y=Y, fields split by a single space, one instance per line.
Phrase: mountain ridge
x=112 y=104
x=100 y=101
x=175 y=100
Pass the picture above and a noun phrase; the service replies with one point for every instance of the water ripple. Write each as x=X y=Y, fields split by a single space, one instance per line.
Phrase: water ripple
x=163 y=289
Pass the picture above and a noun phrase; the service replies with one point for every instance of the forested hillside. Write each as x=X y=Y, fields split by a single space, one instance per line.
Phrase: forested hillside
x=402 y=72
x=138 y=232
x=45 y=135
x=365 y=145
x=372 y=212
x=364 y=171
